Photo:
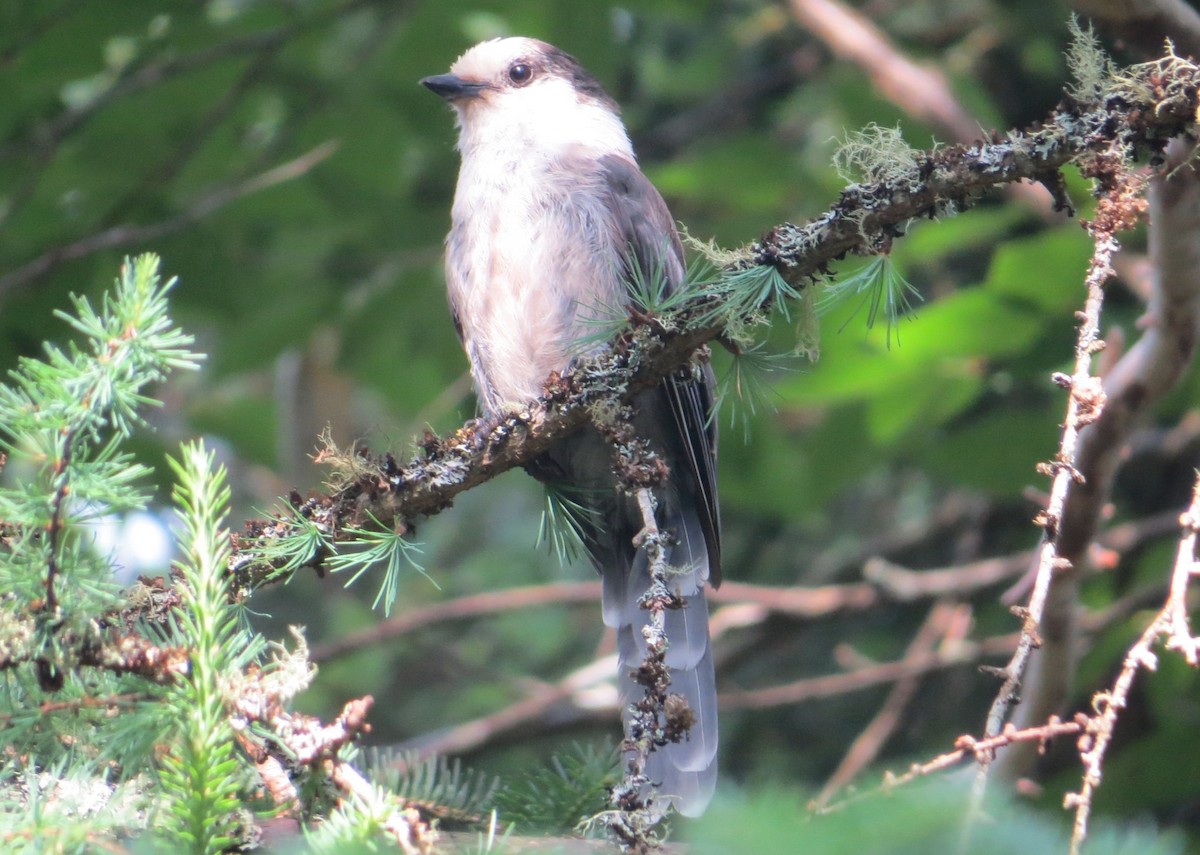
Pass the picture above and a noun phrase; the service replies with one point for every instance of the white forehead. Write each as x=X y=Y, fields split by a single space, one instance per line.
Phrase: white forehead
x=487 y=59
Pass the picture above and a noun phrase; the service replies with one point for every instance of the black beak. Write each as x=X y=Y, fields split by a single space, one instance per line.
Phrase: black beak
x=451 y=86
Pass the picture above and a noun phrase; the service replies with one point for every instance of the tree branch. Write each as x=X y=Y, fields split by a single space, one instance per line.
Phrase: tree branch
x=1140 y=378
x=1171 y=623
x=864 y=221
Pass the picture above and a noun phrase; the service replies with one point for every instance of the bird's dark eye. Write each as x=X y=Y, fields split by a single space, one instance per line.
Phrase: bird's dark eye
x=520 y=73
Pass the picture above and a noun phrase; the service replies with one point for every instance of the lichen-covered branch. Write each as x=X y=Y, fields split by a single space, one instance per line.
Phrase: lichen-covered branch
x=1138 y=112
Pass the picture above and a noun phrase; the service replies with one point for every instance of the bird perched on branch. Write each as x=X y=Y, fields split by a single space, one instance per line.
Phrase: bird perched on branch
x=552 y=222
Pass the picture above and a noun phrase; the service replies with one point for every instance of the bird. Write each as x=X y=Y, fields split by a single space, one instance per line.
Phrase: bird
x=552 y=221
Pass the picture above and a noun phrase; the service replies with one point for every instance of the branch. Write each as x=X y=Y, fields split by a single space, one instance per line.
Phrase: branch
x=968 y=747
x=864 y=220
x=117 y=654
x=1119 y=207
x=868 y=676
x=1170 y=623
x=463 y=608
x=1138 y=380
x=868 y=744
x=886 y=582
x=919 y=90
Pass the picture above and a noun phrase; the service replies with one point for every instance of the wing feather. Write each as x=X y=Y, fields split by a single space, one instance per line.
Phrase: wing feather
x=644 y=225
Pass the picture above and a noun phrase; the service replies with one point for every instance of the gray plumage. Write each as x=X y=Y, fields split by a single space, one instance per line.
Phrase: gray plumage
x=550 y=215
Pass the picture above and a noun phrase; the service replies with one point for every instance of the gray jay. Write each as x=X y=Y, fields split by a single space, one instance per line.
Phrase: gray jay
x=552 y=219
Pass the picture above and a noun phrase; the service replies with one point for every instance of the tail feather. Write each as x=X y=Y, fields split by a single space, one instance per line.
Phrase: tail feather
x=684 y=773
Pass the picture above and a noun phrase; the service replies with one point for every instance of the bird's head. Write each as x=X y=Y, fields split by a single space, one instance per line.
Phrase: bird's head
x=526 y=92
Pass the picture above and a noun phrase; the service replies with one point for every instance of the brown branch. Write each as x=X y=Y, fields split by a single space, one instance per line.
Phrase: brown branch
x=589 y=689
x=95 y=648
x=919 y=90
x=581 y=683
x=462 y=608
x=107 y=702
x=886 y=582
x=903 y=585
x=869 y=676
x=474 y=734
x=867 y=745
x=922 y=91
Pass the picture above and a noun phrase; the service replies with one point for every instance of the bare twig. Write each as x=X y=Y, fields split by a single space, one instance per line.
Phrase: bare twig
x=887 y=582
x=1120 y=204
x=922 y=91
x=904 y=585
x=589 y=691
x=962 y=653
x=462 y=608
x=967 y=747
x=1170 y=623
x=1140 y=378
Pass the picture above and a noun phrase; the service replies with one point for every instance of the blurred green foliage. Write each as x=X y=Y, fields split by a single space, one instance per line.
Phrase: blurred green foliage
x=317 y=295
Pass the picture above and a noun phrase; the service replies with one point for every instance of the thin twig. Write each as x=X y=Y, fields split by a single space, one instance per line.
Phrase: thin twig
x=462 y=608
x=1170 y=623
x=966 y=747
x=888 y=582
x=588 y=688
x=1118 y=209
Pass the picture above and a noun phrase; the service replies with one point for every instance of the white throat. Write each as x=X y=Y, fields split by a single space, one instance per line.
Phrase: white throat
x=547 y=120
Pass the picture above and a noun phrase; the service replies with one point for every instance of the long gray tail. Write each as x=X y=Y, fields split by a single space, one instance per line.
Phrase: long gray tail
x=684 y=773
